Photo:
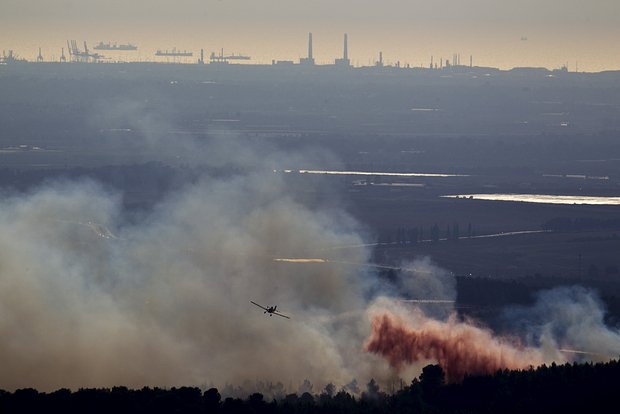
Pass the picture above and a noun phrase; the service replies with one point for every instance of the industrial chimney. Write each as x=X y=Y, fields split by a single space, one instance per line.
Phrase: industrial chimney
x=310 y=59
x=345 y=56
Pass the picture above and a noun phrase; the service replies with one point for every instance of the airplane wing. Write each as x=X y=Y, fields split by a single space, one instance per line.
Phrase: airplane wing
x=260 y=306
x=279 y=314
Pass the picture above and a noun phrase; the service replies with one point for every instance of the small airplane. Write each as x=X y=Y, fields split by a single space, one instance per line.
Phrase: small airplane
x=271 y=310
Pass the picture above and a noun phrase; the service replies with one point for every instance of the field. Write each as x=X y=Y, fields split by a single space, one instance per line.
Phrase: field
x=146 y=129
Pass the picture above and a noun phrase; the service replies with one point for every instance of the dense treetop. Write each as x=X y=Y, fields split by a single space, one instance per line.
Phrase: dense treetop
x=589 y=387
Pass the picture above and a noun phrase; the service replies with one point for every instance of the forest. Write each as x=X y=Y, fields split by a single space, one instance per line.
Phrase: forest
x=576 y=387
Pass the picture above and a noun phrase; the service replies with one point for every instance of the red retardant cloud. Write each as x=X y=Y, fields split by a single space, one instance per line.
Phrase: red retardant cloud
x=460 y=348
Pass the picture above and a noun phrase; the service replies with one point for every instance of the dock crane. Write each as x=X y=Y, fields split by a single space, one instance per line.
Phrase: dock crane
x=78 y=56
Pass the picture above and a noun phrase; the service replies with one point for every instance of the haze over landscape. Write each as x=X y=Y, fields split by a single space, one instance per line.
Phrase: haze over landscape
x=507 y=34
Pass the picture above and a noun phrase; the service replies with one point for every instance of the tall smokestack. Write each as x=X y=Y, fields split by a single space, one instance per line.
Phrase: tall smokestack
x=344 y=61
x=310 y=59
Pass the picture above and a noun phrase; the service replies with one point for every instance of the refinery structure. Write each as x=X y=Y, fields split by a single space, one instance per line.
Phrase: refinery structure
x=76 y=54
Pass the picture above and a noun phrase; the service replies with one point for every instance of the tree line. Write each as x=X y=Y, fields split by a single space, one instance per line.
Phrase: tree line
x=576 y=387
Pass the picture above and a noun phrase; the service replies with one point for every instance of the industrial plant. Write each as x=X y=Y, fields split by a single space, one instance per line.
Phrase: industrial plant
x=183 y=56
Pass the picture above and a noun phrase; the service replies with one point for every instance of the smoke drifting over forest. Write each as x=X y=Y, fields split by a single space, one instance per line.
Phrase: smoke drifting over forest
x=168 y=301
x=563 y=323
x=459 y=348
x=165 y=302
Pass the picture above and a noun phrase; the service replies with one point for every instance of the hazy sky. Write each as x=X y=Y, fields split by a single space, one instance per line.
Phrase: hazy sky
x=557 y=31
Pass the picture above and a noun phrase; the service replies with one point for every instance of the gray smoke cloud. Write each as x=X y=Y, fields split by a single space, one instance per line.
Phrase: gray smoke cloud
x=568 y=320
x=165 y=300
x=433 y=288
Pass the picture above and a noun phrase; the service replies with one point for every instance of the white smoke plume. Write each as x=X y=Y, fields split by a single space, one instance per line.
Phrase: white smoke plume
x=166 y=301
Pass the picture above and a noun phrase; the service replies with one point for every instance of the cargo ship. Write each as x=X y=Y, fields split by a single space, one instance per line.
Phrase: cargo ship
x=109 y=46
x=173 y=52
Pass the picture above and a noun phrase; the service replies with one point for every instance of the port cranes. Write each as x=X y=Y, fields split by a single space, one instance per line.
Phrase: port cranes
x=82 y=56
